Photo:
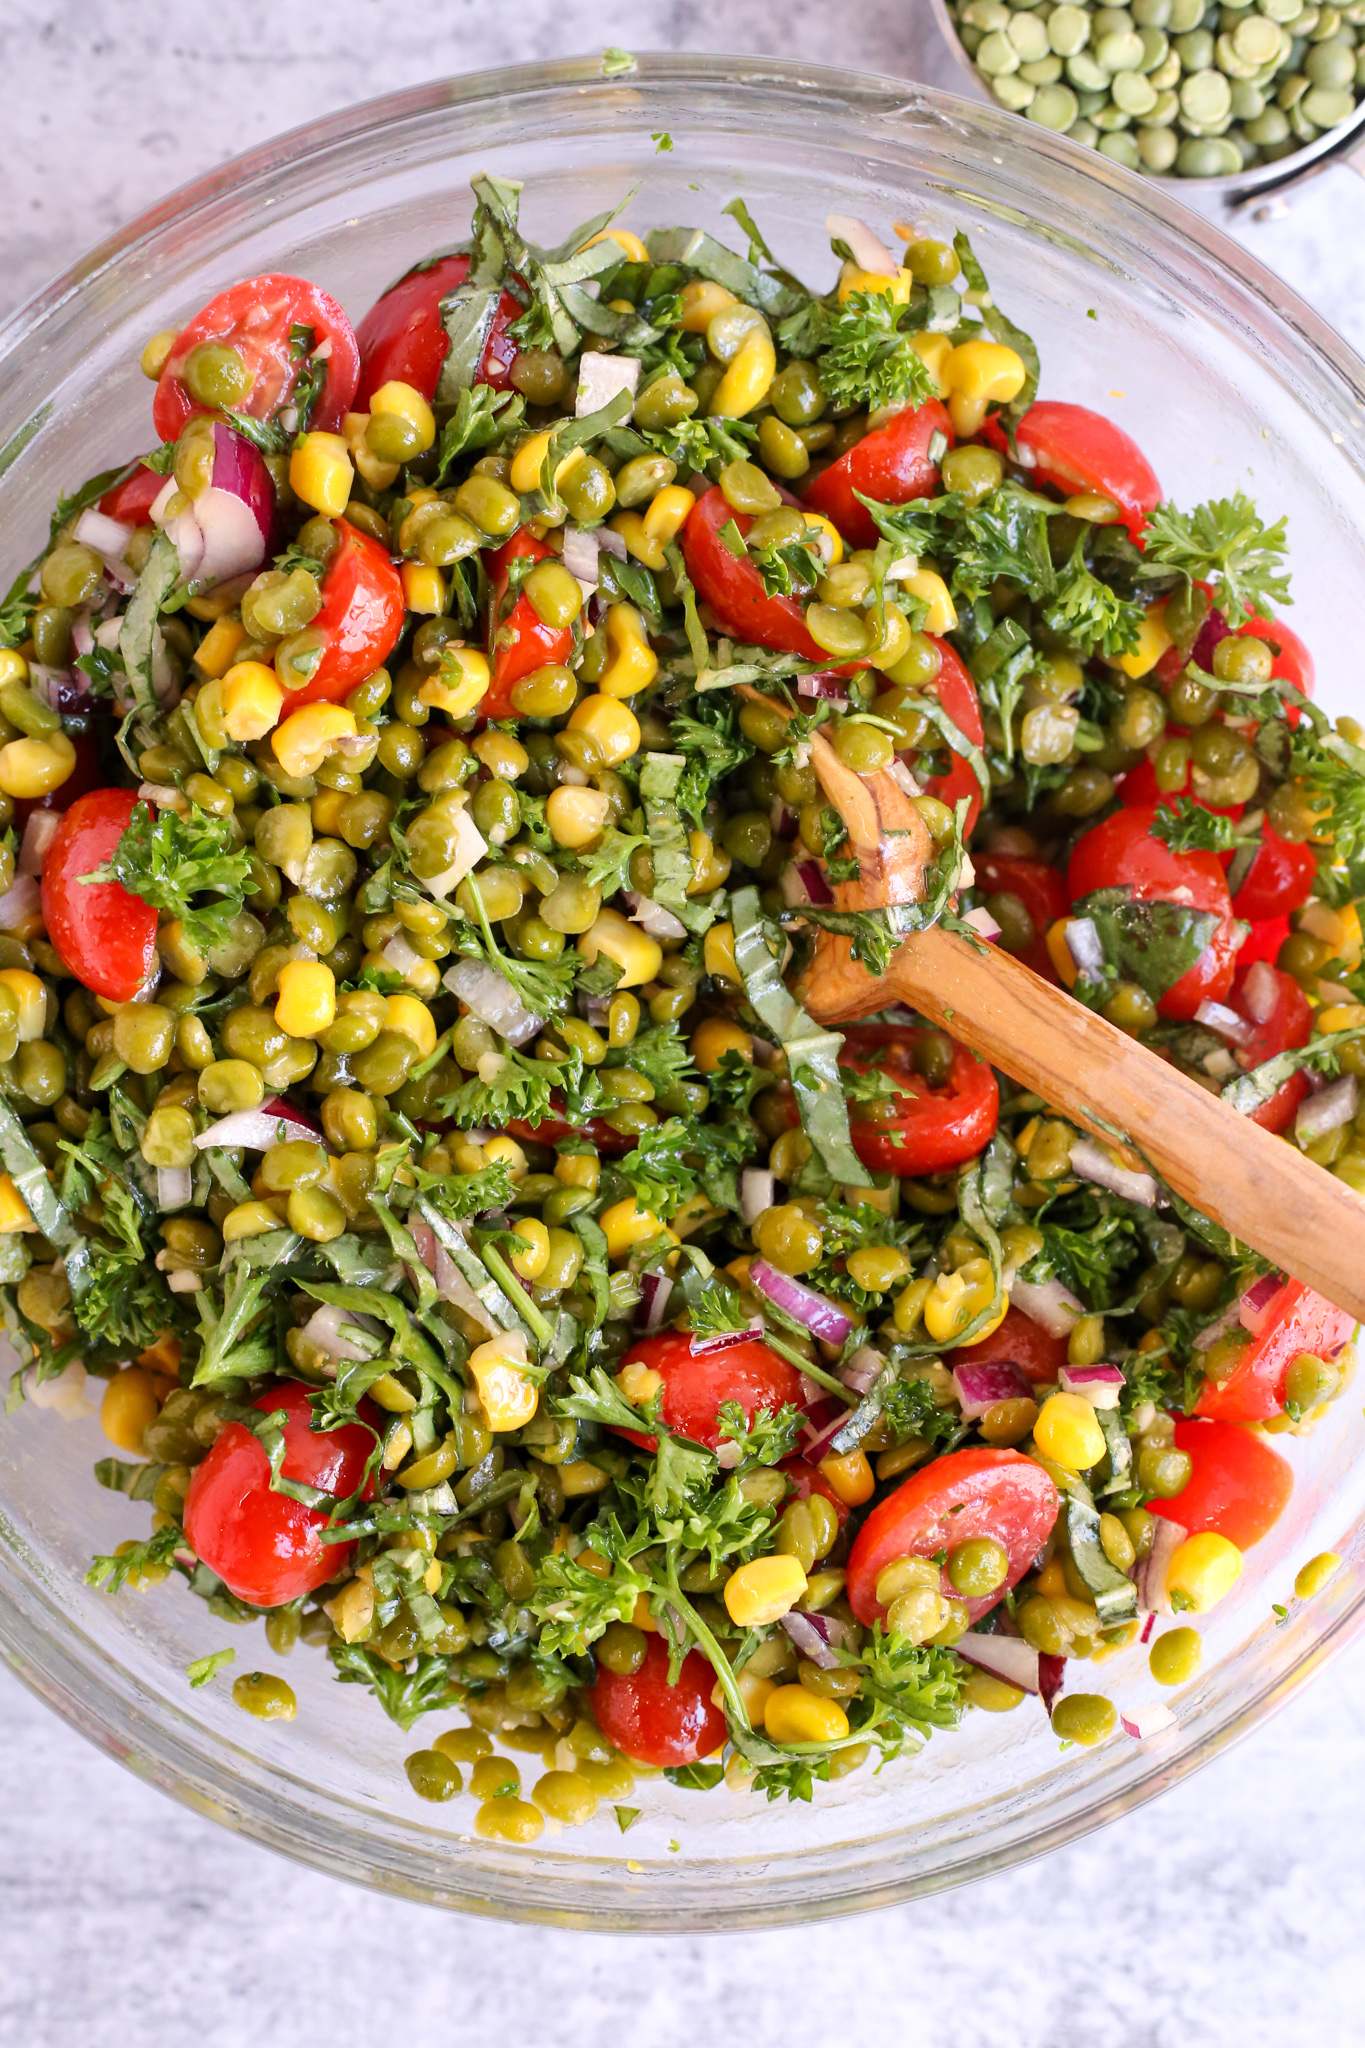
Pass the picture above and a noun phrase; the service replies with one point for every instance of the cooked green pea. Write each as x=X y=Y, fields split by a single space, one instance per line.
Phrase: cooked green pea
x=144 y=1036
x=1175 y=1656
x=383 y=1067
x=1084 y=1717
x=433 y=1775
x=266 y=1697
x=229 y=1085
x=977 y=1567
x=216 y=375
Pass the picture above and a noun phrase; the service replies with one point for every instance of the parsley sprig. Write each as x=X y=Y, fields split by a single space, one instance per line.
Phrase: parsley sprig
x=1227 y=544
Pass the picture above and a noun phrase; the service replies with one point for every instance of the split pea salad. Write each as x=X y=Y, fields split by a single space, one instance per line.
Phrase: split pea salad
x=1197 y=88
x=489 y=1274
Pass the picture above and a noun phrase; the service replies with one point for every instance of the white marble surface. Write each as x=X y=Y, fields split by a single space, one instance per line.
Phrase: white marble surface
x=1228 y=1912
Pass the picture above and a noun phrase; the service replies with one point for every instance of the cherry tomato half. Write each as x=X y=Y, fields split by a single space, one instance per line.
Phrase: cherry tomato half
x=1238 y=1487
x=656 y=1723
x=1300 y=1320
x=1289 y=1023
x=807 y=1479
x=363 y=608
x=1020 y=1341
x=105 y=935
x=734 y=589
x=1121 y=851
x=922 y=1129
x=1038 y=887
x=1264 y=941
x=1075 y=449
x=956 y=692
x=133 y=499
x=1292 y=664
x=263 y=1545
x=697 y=1384
x=1280 y=879
x=257 y=318
x=1000 y=1494
x=1139 y=786
x=891 y=464
x=521 y=643
x=611 y=1144
x=403 y=338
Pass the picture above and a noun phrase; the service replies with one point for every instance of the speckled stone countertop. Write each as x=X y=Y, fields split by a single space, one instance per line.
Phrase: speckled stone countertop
x=1227 y=1912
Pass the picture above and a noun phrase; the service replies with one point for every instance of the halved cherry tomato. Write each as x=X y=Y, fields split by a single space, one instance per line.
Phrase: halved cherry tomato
x=1000 y=1494
x=734 y=589
x=1289 y=1023
x=263 y=1545
x=956 y=692
x=1139 y=786
x=1280 y=879
x=521 y=643
x=1238 y=1488
x=923 y=1129
x=403 y=338
x=1121 y=851
x=363 y=609
x=1075 y=449
x=1022 y=1342
x=132 y=500
x=656 y=1723
x=697 y=1384
x=807 y=1479
x=551 y=1129
x=105 y=935
x=257 y=318
x=1264 y=941
x=1038 y=887
x=1292 y=664
x=1300 y=1320
x=891 y=464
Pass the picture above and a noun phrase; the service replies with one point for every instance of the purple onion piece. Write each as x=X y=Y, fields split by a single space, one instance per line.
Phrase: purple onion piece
x=822 y=1318
x=979 y=1387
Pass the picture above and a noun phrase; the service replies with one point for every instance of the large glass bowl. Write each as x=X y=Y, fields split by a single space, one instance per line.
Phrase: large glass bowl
x=1140 y=310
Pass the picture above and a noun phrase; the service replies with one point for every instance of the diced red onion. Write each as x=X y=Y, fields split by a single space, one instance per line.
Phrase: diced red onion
x=399 y=954
x=1218 y=1017
x=1219 y=1327
x=862 y=1369
x=1093 y=1163
x=174 y=1187
x=235 y=515
x=109 y=539
x=900 y=774
x=979 y=1387
x=1150 y=1575
x=609 y=542
x=184 y=1282
x=1100 y=1385
x=725 y=1340
x=792 y=887
x=815 y=1443
x=1047 y=1303
x=1006 y=1657
x=765 y=1054
x=1260 y=991
x=256 y=1130
x=1051 y=1678
x=68 y=689
x=813 y=1636
x=782 y=820
x=868 y=250
x=21 y=901
x=325 y=1329
x=1142 y=1722
x=1214 y=629
x=579 y=556
x=1084 y=945
x=424 y=1237
x=757 y=1192
x=470 y=848
x=1257 y=1305
x=655 y=1289
x=981 y=921
x=822 y=1318
x=1336 y=1105
x=593 y=1009
x=1148 y=1625
x=39 y=832
x=824 y=684
x=492 y=999
x=603 y=377
x=654 y=918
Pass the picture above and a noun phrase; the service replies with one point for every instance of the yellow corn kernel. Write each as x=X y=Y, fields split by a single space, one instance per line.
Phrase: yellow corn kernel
x=216 y=651
x=409 y=404
x=634 y=664
x=764 y=1591
x=985 y=370
x=701 y=301
x=1068 y=1432
x=14 y=1213
x=250 y=1219
x=850 y=1476
x=31 y=996
x=625 y=1224
x=351 y=1611
x=321 y=473
x=578 y=1170
x=956 y=1298
x=252 y=700
x=640 y=542
x=1152 y=642
x=611 y=724
x=576 y=816
x=129 y=1404
x=1052 y=1578
x=424 y=588
x=414 y=1020
x=153 y=358
x=748 y=377
x=1341 y=1017
x=509 y=1151
x=632 y=246
x=967 y=414
x=1315 y=1574
x=718 y=954
x=30 y=768
x=325 y=810
x=532 y=1262
x=638 y=1382
x=307 y=1001
x=1060 y=953
x=709 y=867
x=714 y=1037
x=794 y=1715
x=695 y=1213
x=930 y=588
x=379 y=475
x=529 y=459
x=933 y=351
x=754 y=1689
x=309 y=735
x=825 y=533
x=13 y=667
x=852 y=279
x=461 y=683
x=666 y=512
x=1203 y=1569
x=637 y=955
x=506 y=1394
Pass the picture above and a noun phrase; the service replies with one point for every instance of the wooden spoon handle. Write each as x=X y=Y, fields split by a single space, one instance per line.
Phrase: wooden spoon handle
x=1261 y=1190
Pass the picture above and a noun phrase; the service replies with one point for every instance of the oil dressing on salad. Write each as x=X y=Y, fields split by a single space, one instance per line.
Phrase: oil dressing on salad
x=489 y=1273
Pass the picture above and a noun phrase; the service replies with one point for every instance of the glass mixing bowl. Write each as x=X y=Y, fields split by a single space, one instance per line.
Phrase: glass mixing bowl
x=1141 y=310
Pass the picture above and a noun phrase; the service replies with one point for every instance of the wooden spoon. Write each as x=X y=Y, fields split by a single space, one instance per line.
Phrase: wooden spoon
x=1262 y=1191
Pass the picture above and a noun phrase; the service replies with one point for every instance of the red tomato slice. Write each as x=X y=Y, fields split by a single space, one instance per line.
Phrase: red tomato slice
x=654 y=1722
x=363 y=609
x=807 y=1479
x=263 y=1545
x=1022 y=1342
x=1293 y=663
x=695 y=1386
x=734 y=589
x=105 y=935
x=956 y=692
x=256 y=317
x=403 y=338
x=891 y=464
x=1280 y=879
x=1000 y=1494
x=132 y=500
x=1039 y=888
x=1301 y=1320
x=1267 y=936
x=1238 y=1488
x=522 y=643
x=1075 y=449
x=1139 y=786
x=1290 y=1023
x=1120 y=850
x=551 y=1129
x=929 y=1128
